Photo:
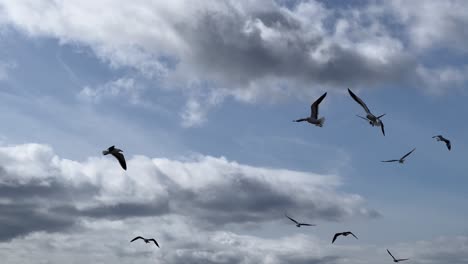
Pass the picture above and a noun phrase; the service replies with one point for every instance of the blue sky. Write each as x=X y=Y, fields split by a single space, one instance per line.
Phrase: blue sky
x=214 y=87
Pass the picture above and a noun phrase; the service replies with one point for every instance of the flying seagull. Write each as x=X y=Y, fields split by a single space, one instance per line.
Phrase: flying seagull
x=297 y=223
x=146 y=240
x=314 y=110
x=394 y=259
x=116 y=153
x=441 y=138
x=373 y=120
x=343 y=234
x=402 y=159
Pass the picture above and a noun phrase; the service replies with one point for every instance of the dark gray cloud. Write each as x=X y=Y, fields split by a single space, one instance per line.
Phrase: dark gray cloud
x=21 y=219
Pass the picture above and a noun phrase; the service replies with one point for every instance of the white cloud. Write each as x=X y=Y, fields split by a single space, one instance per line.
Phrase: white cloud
x=433 y=24
x=253 y=51
x=122 y=88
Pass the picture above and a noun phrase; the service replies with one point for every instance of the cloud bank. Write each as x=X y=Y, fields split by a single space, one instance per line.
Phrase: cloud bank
x=256 y=51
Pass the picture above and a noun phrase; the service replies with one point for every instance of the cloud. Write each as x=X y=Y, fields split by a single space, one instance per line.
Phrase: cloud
x=249 y=51
x=262 y=51
x=212 y=192
x=122 y=88
x=433 y=24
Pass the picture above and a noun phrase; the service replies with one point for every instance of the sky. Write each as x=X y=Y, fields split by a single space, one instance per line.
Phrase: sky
x=200 y=96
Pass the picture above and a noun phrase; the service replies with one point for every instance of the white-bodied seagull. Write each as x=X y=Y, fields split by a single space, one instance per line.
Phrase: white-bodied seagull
x=447 y=142
x=314 y=111
x=146 y=240
x=394 y=259
x=373 y=120
x=297 y=223
x=116 y=153
x=402 y=159
x=343 y=234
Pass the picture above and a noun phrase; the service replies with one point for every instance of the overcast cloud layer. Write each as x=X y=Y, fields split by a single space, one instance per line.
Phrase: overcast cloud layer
x=256 y=50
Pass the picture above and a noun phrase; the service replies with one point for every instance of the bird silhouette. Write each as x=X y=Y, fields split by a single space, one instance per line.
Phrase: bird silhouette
x=447 y=142
x=297 y=223
x=343 y=234
x=314 y=110
x=146 y=240
x=402 y=159
x=116 y=153
x=394 y=259
x=371 y=118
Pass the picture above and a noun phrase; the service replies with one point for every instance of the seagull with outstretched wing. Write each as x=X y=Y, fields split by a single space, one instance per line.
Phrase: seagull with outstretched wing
x=447 y=142
x=314 y=111
x=371 y=118
x=117 y=154
x=297 y=223
x=343 y=234
x=146 y=240
x=402 y=159
x=394 y=259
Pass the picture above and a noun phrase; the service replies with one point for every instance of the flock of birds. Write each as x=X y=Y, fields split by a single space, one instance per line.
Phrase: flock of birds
x=315 y=120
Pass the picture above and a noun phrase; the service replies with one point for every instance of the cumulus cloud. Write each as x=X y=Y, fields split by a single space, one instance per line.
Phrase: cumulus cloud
x=210 y=191
x=433 y=24
x=252 y=50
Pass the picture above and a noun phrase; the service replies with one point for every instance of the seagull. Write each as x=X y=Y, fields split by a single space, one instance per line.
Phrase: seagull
x=116 y=153
x=146 y=240
x=402 y=159
x=373 y=120
x=343 y=234
x=394 y=259
x=297 y=223
x=313 y=119
x=441 y=138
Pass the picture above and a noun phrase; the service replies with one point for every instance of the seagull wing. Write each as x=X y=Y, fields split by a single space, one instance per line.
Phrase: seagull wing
x=291 y=219
x=155 y=242
x=335 y=236
x=391 y=254
x=407 y=154
x=382 y=127
x=390 y=160
x=362 y=117
x=120 y=157
x=303 y=224
x=138 y=237
x=359 y=101
x=353 y=235
x=449 y=145
x=314 y=107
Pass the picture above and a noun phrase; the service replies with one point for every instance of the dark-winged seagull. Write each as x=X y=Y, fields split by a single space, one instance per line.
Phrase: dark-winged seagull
x=146 y=240
x=343 y=234
x=373 y=120
x=394 y=259
x=441 y=138
x=402 y=159
x=116 y=153
x=297 y=223
x=314 y=110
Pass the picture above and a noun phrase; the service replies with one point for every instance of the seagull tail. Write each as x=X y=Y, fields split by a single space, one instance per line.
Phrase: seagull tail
x=321 y=121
